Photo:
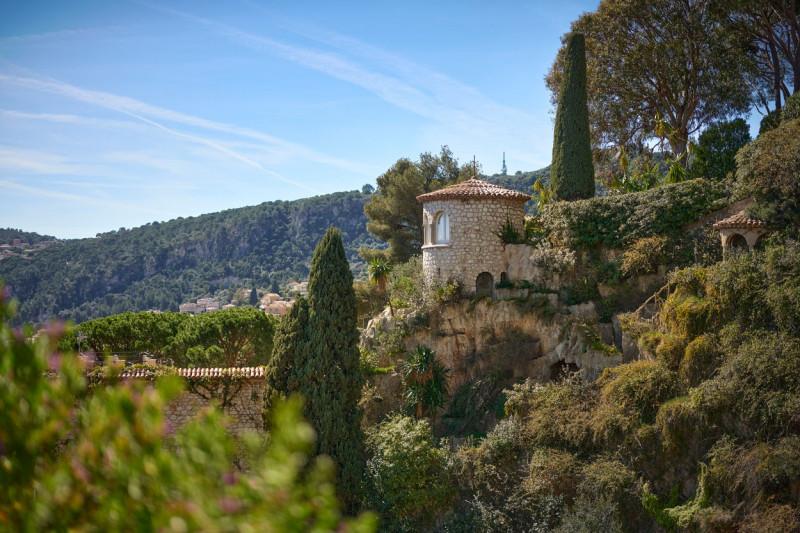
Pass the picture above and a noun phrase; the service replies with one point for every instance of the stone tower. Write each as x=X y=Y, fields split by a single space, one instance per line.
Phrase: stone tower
x=460 y=226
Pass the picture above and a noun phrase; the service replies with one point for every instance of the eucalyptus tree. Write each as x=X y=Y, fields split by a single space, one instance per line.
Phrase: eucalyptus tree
x=657 y=69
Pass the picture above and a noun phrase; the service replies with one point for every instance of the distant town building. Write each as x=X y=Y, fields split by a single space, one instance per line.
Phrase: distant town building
x=203 y=305
x=278 y=308
x=271 y=297
x=298 y=288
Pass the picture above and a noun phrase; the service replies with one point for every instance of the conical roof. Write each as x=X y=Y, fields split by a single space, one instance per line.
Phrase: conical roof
x=473 y=188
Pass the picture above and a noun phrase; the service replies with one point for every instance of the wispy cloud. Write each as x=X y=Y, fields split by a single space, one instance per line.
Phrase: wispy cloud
x=27 y=160
x=74 y=198
x=455 y=109
x=66 y=33
x=63 y=118
x=157 y=117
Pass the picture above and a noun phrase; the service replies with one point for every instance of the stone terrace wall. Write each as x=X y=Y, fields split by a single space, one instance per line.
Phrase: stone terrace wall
x=206 y=385
x=244 y=411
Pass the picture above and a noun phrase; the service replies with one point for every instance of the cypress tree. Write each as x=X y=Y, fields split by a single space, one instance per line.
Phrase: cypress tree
x=316 y=355
x=288 y=356
x=572 y=171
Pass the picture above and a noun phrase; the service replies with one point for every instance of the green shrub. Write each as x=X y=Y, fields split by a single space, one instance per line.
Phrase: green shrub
x=687 y=316
x=509 y=234
x=756 y=392
x=590 y=514
x=680 y=425
x=700 y=360
x=451 y=292
x=645 y=255
x=791 y=108
x=556 y=415
x=783 y=300
x=754 y=472
x=767 y=170
x=606 y=478
x=553 y=471
x=408 y=477
x=618 y=221
x=670 y=351
x=473 y=400
x=638 y=388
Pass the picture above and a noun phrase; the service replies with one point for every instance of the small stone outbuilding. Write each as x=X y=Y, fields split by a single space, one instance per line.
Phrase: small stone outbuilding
x=460 y=233
x=741 y=232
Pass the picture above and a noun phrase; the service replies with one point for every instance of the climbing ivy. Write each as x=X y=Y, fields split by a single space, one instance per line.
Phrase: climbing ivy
x=617 y=221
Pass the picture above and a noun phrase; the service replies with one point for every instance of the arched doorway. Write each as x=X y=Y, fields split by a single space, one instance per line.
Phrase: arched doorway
x=737 y=242
x=483 y=284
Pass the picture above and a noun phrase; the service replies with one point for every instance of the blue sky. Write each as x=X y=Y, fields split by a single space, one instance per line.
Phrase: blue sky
x=117 y=113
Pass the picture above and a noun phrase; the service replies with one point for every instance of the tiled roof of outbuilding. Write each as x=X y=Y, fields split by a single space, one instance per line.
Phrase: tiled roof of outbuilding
x=190 y=373
x=473 y=188
x=740 y=221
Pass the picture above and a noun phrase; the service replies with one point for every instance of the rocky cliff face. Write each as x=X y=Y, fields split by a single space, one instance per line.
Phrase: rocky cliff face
x=475 y=339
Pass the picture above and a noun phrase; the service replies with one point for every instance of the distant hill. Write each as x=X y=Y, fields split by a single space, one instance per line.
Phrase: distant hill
x=521 y=181
x=8 y=235
x=160 y=265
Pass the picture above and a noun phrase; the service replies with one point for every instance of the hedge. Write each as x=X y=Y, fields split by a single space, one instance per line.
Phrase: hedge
x=617 y=221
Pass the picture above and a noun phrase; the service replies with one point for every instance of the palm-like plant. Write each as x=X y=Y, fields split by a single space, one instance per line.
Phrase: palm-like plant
x=379 y=271
x=426 y=381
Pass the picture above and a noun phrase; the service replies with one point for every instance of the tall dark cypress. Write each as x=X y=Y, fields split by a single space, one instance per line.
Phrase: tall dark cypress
x=322 y=364
x=288 y=358
x=572 y=171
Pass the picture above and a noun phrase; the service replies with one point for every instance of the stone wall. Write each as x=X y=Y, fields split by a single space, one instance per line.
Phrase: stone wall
x=474 y=246
x=243 y=411
x=242 y=405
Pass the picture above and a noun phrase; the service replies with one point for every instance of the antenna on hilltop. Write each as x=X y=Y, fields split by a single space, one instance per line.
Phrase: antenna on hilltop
x=504 y=170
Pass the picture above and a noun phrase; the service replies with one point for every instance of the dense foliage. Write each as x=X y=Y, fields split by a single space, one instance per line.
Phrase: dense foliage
x=317 y=357
x=658 y=70
x=572 y=170
x=408 y=477
x=617 y=221
x=74 y=461
x=701 y=434
x=161 y=265
x=426 y=382
x=769 y=168
x=716 y=149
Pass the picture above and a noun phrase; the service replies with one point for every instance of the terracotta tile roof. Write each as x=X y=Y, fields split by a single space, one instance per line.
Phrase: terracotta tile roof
x=473 y=188
x=190 y=373
x=739 y=221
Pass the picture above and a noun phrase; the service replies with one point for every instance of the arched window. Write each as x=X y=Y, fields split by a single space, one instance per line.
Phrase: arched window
x=442 y=228
x=426 y=233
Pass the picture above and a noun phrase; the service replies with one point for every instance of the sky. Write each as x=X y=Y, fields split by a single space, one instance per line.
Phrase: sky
x=118 y=113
